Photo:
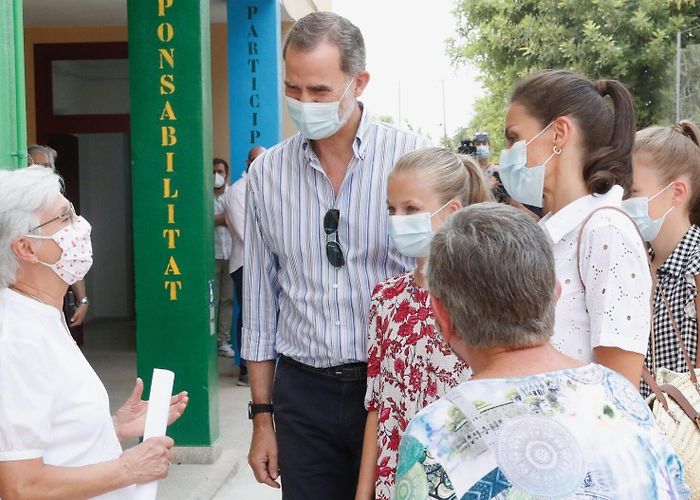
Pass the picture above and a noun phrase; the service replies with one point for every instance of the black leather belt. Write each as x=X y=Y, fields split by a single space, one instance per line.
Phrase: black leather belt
x=351 y=372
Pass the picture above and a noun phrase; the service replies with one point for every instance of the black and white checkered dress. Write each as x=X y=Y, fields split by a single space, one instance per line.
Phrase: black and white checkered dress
x=677 y=279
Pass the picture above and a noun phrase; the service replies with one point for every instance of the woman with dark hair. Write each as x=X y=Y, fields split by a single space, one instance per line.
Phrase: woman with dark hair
x=570 y=153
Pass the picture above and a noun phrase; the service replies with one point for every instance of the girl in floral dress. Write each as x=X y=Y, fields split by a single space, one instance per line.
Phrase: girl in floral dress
x=409 y=365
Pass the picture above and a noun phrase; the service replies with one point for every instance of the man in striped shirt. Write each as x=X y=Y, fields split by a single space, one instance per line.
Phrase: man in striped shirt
x=316 y=243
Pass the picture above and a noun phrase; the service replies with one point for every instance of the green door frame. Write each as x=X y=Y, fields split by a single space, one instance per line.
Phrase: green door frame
x=13 y=109
x=172 y=186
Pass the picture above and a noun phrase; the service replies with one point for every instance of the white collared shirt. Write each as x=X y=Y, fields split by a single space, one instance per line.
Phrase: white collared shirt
x=234 y=208
x=613 y=309
x=53 y=406
x=222 y=238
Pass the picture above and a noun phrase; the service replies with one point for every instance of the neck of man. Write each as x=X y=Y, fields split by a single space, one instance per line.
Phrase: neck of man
x=675 y=226
x=219 y=191
x=484 y=163
x=339 y=145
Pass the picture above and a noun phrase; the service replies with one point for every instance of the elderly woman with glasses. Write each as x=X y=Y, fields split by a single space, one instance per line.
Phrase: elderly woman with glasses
x=532 y=422
x=57 y=437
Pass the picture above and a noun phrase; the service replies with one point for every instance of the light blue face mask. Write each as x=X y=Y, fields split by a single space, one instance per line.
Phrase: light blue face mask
x=524 y=184
x=318 y=120
x=638 y=209
x=412 y=234
x=482 y=152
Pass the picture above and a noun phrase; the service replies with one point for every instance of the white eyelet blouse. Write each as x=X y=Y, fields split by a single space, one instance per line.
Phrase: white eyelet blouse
x=613 y=309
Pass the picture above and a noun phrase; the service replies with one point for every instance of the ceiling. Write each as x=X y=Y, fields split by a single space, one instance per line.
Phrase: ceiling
x=91 y=12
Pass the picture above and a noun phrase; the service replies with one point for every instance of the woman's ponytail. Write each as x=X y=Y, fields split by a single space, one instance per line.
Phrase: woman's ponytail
x=607 y=132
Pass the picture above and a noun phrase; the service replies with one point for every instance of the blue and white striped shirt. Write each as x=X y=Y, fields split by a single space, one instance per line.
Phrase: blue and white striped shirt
x=294 y=301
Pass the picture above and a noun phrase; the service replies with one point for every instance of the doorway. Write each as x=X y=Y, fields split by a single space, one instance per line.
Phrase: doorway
x=82 y=105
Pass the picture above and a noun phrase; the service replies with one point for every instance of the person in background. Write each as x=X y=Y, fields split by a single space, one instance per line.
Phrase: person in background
x=569 y=151
x=408 y=363
x=222 y=254
x=315 y=245
x=234 y=211
x=532 y=422
x=75 y=308
x=57 y=437
x=480 y=148
x=665 y=204
x=483 y=154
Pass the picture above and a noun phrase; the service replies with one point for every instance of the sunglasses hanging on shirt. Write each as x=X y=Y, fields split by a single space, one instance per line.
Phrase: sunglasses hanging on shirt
x=334 y=252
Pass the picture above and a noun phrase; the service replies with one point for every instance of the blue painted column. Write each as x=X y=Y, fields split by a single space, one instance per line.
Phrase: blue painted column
x=254 y=65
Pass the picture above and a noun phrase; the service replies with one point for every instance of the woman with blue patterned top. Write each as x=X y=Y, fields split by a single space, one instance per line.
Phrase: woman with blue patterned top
x=532 y=422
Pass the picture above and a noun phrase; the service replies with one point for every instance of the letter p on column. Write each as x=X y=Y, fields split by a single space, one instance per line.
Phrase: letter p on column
x=162 y=5
x=252 y=10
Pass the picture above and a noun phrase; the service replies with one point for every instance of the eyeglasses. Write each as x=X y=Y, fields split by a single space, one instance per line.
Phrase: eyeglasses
x=70 y=216
x=32 y=163
x=334 y=252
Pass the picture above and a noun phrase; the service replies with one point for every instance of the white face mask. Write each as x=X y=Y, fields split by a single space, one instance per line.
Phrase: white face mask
x=76 y=256
x=412 y=234
x=219 y=180
x=525 y=184
x=318 y=120
x=638 y=209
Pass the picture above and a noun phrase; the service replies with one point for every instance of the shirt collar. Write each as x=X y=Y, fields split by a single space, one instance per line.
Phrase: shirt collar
x=677 y=262
x=359 y=145
x=572 y=215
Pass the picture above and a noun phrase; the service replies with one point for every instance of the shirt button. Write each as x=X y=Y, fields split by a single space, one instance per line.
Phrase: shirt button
x=337 y=323
x=335 y=285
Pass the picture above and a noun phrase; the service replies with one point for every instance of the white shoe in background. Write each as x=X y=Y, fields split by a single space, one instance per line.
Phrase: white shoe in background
x=226 y=351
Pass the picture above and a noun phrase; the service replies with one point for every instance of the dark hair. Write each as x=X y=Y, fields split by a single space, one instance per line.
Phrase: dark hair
x=224 y=163
x=313 y=29
x=607 y=133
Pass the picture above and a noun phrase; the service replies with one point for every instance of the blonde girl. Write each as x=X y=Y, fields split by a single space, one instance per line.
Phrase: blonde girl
x=409 y=365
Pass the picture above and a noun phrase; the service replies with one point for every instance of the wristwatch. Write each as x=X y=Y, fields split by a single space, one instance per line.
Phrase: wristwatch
x=254 y=409
x=84 y=301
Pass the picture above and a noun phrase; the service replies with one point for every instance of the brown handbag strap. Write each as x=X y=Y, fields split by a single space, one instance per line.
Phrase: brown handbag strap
x=651 y=382
x=681 y=343
x=675 y=394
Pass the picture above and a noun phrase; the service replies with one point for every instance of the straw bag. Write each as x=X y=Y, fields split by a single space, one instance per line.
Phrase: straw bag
x=675 y=401
x=675 y=398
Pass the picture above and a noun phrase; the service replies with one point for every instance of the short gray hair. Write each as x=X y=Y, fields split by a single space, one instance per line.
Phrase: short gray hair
x=23 y=194
x=313 y=29
x=50 y=153
x=493 y=269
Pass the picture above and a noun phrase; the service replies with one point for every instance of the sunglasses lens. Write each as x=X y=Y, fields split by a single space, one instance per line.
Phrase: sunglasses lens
x=335 y=254
x=330 y=221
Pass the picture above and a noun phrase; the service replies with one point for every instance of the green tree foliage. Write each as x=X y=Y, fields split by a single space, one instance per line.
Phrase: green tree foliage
x=629 y=40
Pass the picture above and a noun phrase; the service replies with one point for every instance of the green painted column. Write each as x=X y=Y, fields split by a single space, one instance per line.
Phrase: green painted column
x=13 y=133
x=169 y=72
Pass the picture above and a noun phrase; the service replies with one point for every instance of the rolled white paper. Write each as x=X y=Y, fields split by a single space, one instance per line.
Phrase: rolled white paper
x=156 y=421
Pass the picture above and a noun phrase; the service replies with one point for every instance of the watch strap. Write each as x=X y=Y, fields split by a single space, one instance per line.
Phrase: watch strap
x=254 y=409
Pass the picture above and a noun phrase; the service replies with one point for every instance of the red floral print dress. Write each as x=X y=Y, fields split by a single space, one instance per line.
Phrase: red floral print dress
x=408 y=367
